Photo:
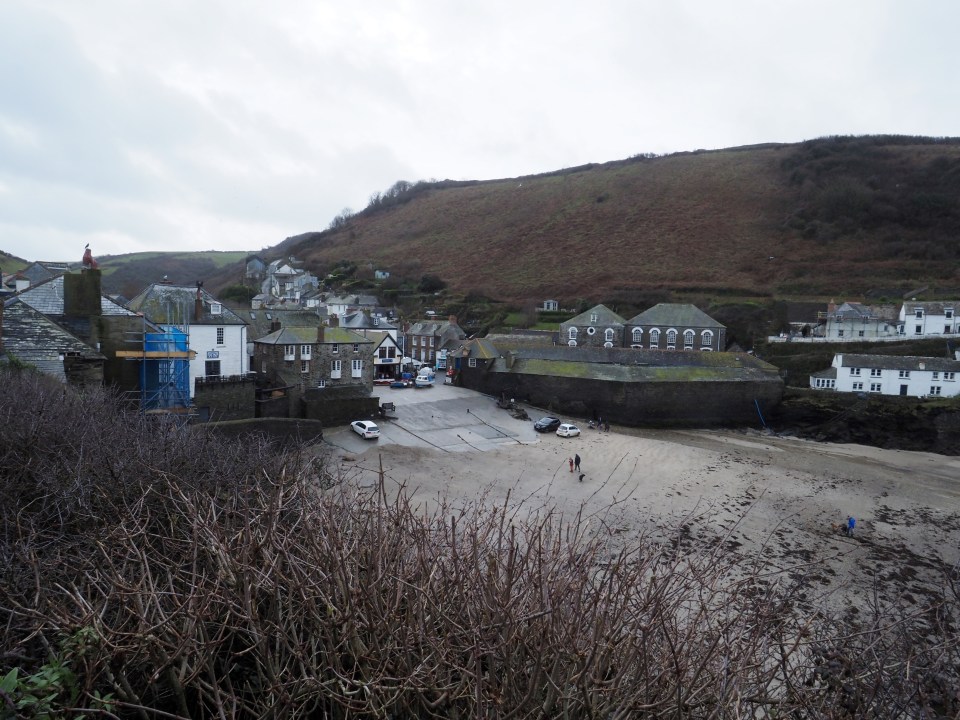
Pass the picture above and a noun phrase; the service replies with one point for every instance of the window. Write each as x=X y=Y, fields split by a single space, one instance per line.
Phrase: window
x=335 y=348
x=948 y=376
x=825 y=383
x=855 y=371
x=654 y=338
x=934 y=389
x=321 y=383
x=212 y=368
x=572 y=343
x=947 y=330
x=918 y=330
x=858 y=386
x=591 y=330
x=860 y=333
x=472 y=362
x=289 y=352
x=305 y=367
x=919 y=313
x=948 y=313
x=306 y=351
x=637 y=335
x=874 y=387
x=356 y=369
x=335 y=370
x=219 y=336
x=431 y=341
x=688 y=339
x=706 y=338
x=904 y=374
x=671 y=339
x=593 y=317
x=216 y=309
x=572 y=334
x=935 y=375
x=839 y=333
x=875 y=372
x=356 y=347
x=608 y=335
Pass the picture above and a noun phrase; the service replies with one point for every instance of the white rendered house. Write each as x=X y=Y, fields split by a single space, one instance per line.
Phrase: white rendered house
x=929 y=319
x=907 y=376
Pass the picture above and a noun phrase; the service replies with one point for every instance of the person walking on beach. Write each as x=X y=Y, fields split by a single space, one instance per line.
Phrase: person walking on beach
x=576 y=463
x=571 y=464
x=851 y=524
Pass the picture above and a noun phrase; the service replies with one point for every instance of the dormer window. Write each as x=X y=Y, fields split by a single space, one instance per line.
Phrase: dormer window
x=216 y=309
x=593 y=317
x=919 y=313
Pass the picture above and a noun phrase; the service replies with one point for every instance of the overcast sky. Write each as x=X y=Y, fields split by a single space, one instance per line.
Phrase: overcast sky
x=232 y=124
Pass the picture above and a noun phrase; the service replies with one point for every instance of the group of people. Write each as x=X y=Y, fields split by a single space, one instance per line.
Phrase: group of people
x=601 y=425
x=575 y=465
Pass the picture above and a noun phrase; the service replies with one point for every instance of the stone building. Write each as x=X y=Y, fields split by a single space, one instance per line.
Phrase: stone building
x=674 y=326
x=597 y=327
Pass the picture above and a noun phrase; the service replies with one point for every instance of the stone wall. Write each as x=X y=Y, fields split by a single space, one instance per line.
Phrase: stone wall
x=282 y=430
x=651 y=404
x=333 y=409
x=226 y=399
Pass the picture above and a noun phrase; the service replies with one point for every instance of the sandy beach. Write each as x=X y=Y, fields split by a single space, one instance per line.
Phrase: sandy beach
x=779 y=501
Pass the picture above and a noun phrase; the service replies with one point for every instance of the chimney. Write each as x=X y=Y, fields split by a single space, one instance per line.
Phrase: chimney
x=274 y=325
x=320 y=330
x=81 y=293
x=831 y=306
x=334 y=321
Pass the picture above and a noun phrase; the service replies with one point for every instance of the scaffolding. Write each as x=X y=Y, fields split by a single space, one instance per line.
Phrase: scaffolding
x=164 y=359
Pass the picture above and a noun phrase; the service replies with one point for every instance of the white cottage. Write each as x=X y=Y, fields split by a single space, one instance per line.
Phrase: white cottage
x=929 y=319
x=907 y=376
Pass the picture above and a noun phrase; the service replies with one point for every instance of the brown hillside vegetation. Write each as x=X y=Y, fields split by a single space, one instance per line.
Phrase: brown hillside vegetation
x=835 y=216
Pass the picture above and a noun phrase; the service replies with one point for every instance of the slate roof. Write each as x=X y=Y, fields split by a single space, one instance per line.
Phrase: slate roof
x=679 y=314
x=35 y=339
x=308 y=336
x=830 y=373
x=261 y=319
x=176 y=305
x=899 y=362
x=605 y=316
x=362 y=321
x=47 y=298
x=931 y=308
x=480 y=348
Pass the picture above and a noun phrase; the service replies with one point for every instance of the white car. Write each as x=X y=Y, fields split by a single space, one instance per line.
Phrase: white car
x=568 y=430
x=365 y=429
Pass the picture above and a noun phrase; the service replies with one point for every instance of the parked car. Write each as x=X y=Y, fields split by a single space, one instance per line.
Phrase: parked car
x=366 y=429
x=568 y=430
x=546 y=424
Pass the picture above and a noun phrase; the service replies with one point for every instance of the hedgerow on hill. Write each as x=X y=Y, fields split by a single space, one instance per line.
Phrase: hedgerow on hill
x=151 y=569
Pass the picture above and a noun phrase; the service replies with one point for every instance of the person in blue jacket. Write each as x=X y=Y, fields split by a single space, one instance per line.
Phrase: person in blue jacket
x=851 y=524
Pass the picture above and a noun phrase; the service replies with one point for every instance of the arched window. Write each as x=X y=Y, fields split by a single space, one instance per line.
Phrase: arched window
x=608 y=335
x=572 y=334
x=572 y=342
x=654 y=338
x=608 y=344
x=688 y=339
x=637 y=335
x=706 y=339
x=671 y=339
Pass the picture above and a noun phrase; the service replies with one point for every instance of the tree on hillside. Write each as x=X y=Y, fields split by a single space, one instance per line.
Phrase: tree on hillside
x=431 y=284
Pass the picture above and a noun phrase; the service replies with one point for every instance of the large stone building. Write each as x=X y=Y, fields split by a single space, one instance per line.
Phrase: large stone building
x=597 y=327
x=666 y=326
x=428 y=342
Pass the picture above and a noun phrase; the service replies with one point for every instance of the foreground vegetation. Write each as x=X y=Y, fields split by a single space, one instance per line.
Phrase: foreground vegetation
x=153 y=570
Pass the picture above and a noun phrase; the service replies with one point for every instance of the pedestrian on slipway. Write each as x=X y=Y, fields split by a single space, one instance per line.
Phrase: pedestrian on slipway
x=571 y=464
x=576 y=462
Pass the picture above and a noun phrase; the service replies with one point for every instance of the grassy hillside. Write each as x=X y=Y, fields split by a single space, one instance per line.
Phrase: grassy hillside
x=128 y=274
x=836 y=217
x=11 y=263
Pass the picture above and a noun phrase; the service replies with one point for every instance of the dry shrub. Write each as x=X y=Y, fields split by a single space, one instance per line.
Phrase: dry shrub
x=219 y=579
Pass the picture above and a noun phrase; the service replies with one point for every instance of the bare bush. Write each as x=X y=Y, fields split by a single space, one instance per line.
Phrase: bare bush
x=218 y=579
